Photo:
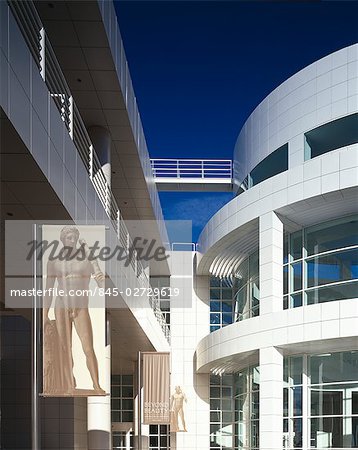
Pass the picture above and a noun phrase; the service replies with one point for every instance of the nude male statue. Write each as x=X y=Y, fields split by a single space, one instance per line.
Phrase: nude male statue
x=72 y=273
x=177 y=407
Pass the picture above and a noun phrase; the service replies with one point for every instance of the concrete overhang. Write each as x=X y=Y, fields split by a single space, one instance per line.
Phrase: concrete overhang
x=93 y=61
x=227 y=253
x=26 y=194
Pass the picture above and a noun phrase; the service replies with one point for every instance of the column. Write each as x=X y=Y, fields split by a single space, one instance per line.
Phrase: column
x=101 y=141
x=270 y=260
x=271 y=399
x=141 y=431
x=99 y=422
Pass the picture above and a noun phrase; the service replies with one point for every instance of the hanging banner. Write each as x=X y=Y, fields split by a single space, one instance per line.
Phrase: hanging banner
x=156 y=388
x=74 y=322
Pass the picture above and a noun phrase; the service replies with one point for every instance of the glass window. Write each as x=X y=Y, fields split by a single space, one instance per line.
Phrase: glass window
x=285 y=279
x=215 y=294
x=296 y=274
x=254 y=265
x=296 y=300
x=242 y=274
x=330 y=136
x=297 y=431
x=285 y=401
x=297 y=400
x=273 y=164
x=215 y=318
x=333 y=399
x=226 y=294
x=214 y=306
x=159 y=437
x=119 y=440
x=236 y=420
x=338 y=266
x=122 y=398
x=296 y=245
x=220 y=303
x=296 y=368
x=332 y=235
x=292 y=401
x=334 y=432
x=327 y=266
x=247 y=289
x=285 y=247
x=226 y=306
x=334 y=292
x=226 y=319
x=334 y=367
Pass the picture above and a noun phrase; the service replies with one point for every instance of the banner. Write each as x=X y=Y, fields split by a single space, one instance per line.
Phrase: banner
x=74 y=321
x=156 y=388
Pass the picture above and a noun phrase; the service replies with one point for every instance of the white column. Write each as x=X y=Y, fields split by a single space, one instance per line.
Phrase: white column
x=189 y=324
x=99 y=412
x=271 y=399
x=270 y=259
x=101 y=141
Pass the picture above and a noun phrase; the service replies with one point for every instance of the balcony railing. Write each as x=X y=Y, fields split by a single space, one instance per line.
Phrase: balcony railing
x=33 y=31
x=205 y=169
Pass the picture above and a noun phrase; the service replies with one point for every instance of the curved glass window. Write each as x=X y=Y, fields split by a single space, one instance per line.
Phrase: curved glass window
x=336 y=134
x=220 y=303
x=275 y=163
x=234 y=410
x=292 y=402
x=237 y=297
x=321 y=263
x=247 y=289
x=328 y=384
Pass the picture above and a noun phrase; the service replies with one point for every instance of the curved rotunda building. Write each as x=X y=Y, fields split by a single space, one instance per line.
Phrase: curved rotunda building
x=282 y=262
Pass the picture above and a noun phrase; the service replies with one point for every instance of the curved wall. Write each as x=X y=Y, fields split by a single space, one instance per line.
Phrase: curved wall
x=316 y=191
x=309 y=191
x=321 y=92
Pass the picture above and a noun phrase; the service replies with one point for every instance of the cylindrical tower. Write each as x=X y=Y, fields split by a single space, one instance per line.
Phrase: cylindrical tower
x=282 y=257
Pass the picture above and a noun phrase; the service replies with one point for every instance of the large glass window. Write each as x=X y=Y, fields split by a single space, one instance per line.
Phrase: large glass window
x=237 y=297
x=247 y=289
x=273 y=164
x=159 y=437
x=122 y=440
x=247 y=409
x=321 y=263
x=122 y=398
x=234 y=410
x=221 y=412
x=320 y=401
x=333 y=400
x=336 y=134
x=292 y=403
x=221 y=304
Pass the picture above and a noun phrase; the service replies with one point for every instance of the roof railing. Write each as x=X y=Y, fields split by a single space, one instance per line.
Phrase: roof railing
x=34 y=33
x=192 y=168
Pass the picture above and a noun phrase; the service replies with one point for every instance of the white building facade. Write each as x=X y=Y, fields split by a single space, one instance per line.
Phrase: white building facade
x=265 y=343
x=282 y=257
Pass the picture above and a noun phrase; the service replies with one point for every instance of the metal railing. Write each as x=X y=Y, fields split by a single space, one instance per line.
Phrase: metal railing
x=155 y=304
x=184 y=246
x=34 y=33
x=192 y=168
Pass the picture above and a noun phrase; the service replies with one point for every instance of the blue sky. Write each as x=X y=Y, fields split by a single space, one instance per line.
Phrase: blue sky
x=200 y=68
